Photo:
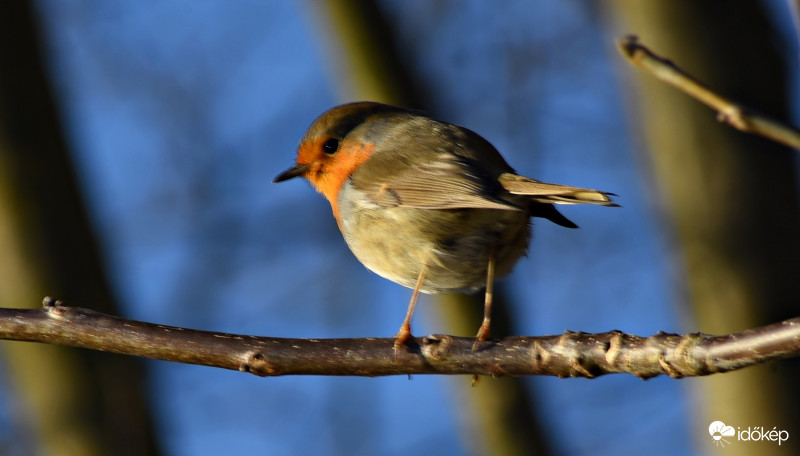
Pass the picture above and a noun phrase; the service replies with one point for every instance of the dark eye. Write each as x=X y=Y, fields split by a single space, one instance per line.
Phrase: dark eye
x=330 y=146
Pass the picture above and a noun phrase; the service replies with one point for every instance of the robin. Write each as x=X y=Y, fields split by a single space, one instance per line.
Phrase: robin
x=426 y=204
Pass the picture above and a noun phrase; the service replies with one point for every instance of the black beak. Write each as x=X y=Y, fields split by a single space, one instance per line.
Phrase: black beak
x=294 y=171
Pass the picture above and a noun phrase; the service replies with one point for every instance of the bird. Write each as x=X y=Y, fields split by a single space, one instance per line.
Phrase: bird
x=427 y=204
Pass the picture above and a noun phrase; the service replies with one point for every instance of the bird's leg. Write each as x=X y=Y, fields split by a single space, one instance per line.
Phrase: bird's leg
x=484 y=331
x=404 y=334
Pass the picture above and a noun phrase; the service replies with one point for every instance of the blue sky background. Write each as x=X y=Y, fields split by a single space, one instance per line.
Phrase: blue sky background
x=180 y=113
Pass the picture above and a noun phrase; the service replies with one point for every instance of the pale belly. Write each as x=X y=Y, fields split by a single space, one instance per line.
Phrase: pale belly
x=455 y=244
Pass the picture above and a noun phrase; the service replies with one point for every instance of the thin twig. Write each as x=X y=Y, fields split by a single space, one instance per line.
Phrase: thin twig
x=572 y=354
x=730 y=112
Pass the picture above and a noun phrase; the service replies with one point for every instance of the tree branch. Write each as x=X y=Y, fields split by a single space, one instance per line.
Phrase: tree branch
x=730 y=112
x=572 y=354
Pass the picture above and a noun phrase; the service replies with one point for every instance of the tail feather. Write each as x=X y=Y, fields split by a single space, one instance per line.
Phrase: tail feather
x=542 y=192
x=549 y=212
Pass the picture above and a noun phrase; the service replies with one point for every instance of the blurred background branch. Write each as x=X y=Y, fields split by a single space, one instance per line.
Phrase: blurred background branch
x=730 y=199
x=96 y=404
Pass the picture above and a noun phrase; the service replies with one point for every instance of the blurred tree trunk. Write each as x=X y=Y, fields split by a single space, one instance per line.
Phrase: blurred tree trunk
x=730 y=198
x=497 y=417
x=80 y=402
